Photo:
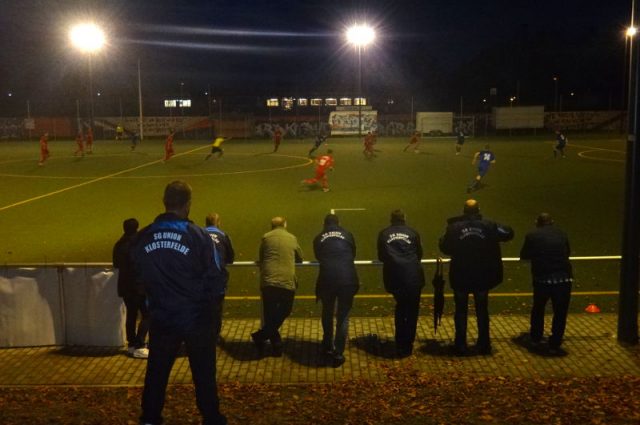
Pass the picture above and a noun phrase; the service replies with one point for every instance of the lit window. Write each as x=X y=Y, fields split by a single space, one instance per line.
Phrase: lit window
x=287 y=103
x=303 y=102
x=345 y=101
x=360 y=101
x=272 y=103
x=331 y=101
x=316 y=102
x=169 y=103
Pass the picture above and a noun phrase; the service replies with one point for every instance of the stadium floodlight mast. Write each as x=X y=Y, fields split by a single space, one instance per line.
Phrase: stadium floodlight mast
x=89 y=38
x=360 y=36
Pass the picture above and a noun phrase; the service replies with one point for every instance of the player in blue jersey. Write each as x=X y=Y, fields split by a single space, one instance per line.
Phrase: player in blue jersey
x=561 y=142
x=484 y=158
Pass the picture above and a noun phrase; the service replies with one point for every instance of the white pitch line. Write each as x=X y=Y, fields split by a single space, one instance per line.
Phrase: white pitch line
x=333 y=210
x=75 y=186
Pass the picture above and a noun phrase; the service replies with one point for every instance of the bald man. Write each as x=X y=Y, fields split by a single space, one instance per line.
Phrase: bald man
x=279 y=251
x=473 y=243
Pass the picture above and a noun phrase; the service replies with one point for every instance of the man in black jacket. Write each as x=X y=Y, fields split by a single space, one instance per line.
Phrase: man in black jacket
x=173 y=258
x=132 y=293
x=548 y=249
x=335 y=250
x=476 y=267
x=400 y=251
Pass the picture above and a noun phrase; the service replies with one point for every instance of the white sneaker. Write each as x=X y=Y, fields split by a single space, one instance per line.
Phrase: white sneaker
x=141 y=353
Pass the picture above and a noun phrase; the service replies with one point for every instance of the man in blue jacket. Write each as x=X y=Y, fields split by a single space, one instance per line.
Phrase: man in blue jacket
x=400 y=250
x=173 y=258
x=337 y=284
x=473 y=243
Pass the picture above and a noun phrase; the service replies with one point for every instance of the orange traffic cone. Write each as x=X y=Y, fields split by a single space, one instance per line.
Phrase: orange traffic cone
x=592 y=308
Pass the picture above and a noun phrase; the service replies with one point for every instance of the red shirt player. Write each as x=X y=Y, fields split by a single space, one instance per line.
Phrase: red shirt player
x=168 y=146
x=277 y=138
x=80 y=143
x=369 y=141
x=323 y=163
x=44 y=148
x=414 y=142
x=89 y=140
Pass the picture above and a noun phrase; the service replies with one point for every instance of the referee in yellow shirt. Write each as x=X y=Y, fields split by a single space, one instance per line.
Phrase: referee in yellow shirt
x=216 y=147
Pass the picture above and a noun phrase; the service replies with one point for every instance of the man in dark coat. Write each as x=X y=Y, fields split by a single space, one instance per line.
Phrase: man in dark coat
x=548 y=249
x=173 y=257
x=476 y=267
x=132 y=293
x=337 y=284
x=400 y=251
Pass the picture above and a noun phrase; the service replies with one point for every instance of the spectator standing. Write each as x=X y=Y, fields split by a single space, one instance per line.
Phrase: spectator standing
x=473 y=243
x=223 y=254
x=400 y=250
x=279 y=251
x=173 y=257
x=132 y=292
x=548 y=249
x=337 y=284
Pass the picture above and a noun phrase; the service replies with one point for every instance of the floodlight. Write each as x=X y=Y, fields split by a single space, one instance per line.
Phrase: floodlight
x=631 y=31
x=87 y=38
x=360 y=35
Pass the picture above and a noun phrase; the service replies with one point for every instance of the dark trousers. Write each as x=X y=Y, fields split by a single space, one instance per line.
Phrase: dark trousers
x=276 y=307
x=135 y=304
x=164 y=345
x=406 y=316
x=481 y=300
x=338 y=300
x=560 y=295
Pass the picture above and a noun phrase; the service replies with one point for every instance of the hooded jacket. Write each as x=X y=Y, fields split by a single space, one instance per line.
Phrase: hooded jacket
x=400 y=250
x=335 y=250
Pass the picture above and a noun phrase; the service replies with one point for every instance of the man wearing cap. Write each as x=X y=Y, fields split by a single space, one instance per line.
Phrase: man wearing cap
x=473 y=243
x=400 y=250
x=279 y=251
x=548 y=249
x=337 y=284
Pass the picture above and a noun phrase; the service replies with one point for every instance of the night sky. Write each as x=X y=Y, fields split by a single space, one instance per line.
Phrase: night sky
x=432 y=50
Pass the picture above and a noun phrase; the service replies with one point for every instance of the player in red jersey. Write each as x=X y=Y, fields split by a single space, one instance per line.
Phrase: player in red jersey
x=89 y=140
x=277 y=138
x=44 y=148
x=323 y=163
x=369 y=141
x=168 y=146
x=414 y=142
x=80 y=143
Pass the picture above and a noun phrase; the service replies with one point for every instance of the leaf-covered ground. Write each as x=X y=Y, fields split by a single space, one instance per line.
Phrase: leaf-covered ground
x=404 y=397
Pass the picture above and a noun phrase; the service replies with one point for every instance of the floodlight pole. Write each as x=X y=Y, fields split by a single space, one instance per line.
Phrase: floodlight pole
x=141 y=128
x=90 y=91
x=359 y=47
x=629 y=265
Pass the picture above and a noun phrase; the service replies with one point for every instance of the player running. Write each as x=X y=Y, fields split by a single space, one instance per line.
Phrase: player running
x=89 y=144
x=216 y=147
x=277 y=138
x=323 y=163
x=168 y=146
x=320 y=139
x=369 y=141
x=485 y=158
x=414 y=142
x=561 y=142
x=44 y=148
x=80 y=143
x=135 y=138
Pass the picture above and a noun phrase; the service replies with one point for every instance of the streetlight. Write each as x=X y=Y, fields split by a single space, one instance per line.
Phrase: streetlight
x=511 y=100
x=89 y=39
x=360 y=35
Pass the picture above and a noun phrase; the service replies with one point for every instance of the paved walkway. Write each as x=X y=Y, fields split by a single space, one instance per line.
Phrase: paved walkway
x=590 y=343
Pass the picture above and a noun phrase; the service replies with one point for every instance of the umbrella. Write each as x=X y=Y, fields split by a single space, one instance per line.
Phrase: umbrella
x=438 y=295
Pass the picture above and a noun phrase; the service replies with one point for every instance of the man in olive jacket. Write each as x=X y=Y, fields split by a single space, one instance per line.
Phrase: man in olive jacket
x=476 y=267
x=337 y=284
x=400 y=250
x=279 y=251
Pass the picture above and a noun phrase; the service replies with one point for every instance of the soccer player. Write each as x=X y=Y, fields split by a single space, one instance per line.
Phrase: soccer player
x=484 y=158
x=119 y=132
x=320 y=139
x=414 y=142
x=216 y=147
x=561 y=142
x=168 y=146
x=89 y=140
x=323 y=163
x=44 y=148
x=80 y=143
x=459 y=142
x=369 y=141
x=277 y=138
x=135 y=138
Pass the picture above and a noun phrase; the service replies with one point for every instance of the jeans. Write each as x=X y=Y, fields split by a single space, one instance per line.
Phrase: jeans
x=481 y=300
x=134 y=304
x=164 y=345
x=406 y=316
x=276 y=307
x=343 y=297
x=560 y=295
